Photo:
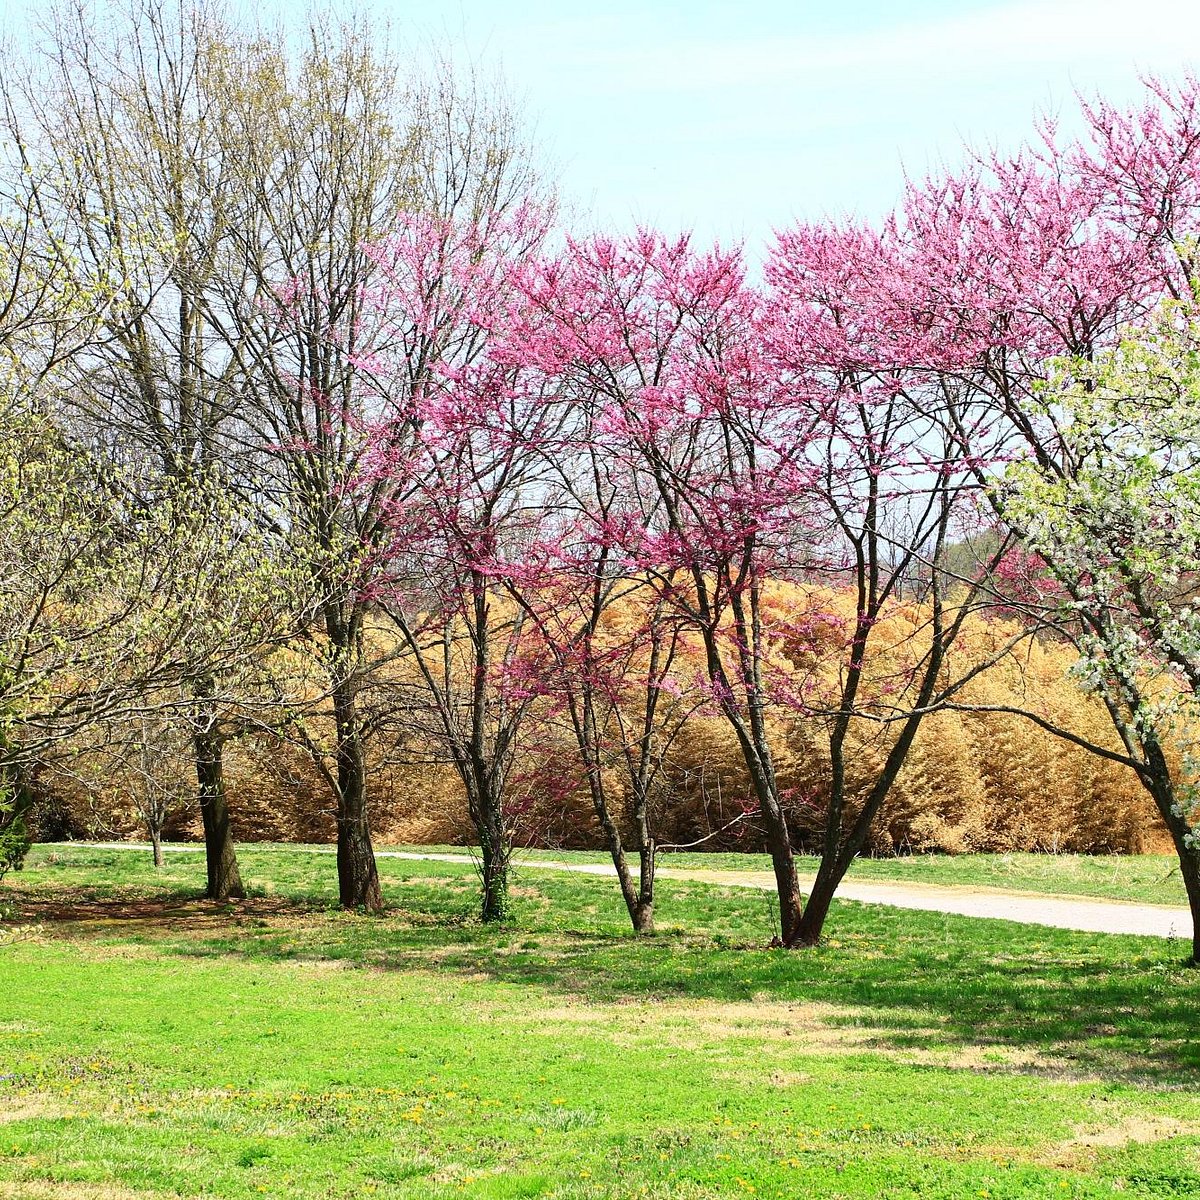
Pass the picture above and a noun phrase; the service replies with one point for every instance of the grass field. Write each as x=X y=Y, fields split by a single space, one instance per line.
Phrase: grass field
x=153 y=1045
x=1146 y=878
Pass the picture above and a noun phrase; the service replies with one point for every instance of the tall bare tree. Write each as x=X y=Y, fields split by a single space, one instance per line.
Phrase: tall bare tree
x=133 y=197
x=334 y=152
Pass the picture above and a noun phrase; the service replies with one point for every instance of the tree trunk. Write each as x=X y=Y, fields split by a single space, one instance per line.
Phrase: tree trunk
x=783 y=861
x=486 y=811
x=756 y=753
x=485 y=806
x=1157 y=780
x=812 y=920
x=495 y=851
x=15 y=802
x=358 y=875
x=1189 y=868
x=638 y=896
x=631 y=892
x=1189 y=857
x=156 y=846
x=787 y=889
x=223 y=877
x=643 y=914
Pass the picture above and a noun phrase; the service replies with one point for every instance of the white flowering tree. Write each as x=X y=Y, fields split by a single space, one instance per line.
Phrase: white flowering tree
x=1109 y=505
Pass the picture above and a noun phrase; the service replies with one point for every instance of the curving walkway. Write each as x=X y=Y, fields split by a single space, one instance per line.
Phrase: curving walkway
x=1029 y=908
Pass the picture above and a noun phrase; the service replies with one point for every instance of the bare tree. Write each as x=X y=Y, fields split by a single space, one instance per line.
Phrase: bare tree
x=132 y=199
x=334 y=154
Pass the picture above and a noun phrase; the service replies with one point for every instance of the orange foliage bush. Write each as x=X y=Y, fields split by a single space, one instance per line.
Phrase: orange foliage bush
x=974 y=780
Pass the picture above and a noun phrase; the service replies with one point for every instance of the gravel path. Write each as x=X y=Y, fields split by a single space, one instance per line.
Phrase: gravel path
x=1028 y=908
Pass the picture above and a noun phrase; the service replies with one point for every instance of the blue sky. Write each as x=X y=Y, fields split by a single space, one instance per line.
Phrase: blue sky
x=734 y=119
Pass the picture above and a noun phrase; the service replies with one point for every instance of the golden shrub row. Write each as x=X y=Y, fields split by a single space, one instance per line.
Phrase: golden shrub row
x=974 y=780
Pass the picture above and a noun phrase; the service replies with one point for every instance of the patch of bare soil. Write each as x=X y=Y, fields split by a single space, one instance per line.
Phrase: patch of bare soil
x=1137 y=1129
x=826 y=1028
x=1080 y=1151
x=816 y=1024
x=321 y=964
x=67 y=908
x=451 y=883
x=526 y=892
x=71 y=1191
x=30 y=1108
x=785 y=1029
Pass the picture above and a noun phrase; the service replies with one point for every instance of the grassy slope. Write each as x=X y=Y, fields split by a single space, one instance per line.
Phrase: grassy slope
x=285 y=1049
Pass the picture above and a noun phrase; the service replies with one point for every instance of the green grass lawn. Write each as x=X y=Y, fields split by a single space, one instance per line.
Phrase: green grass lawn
x=153 y=1045
x=1147 y=878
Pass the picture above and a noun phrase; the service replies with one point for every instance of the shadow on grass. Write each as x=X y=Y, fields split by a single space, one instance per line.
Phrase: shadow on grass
x=1090 y=1004
x=182 y=910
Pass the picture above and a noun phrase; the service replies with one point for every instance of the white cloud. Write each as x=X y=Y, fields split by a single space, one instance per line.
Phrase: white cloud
x=1031 y=33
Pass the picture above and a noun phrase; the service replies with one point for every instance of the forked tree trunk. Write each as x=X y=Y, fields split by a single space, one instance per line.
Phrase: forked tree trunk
x=838 y=853
x=812 y=920
x=756 y=754
x=783 y=858
x=778 y=839
x=638 y=893
x=641 y=913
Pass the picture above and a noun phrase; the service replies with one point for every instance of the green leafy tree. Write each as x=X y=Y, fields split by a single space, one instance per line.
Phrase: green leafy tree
x=1112 y=514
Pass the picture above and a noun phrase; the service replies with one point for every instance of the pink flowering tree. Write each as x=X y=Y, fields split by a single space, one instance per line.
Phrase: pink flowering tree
x=458 y=473
x=891 y=486
x=1141 y=166
x=601 y=644
x=326 y=156
x=763 y=443
x=1043 y=273
x=658 y=341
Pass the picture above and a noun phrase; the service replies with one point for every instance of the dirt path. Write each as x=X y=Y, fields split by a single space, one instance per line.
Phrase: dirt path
x=1028 y=908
